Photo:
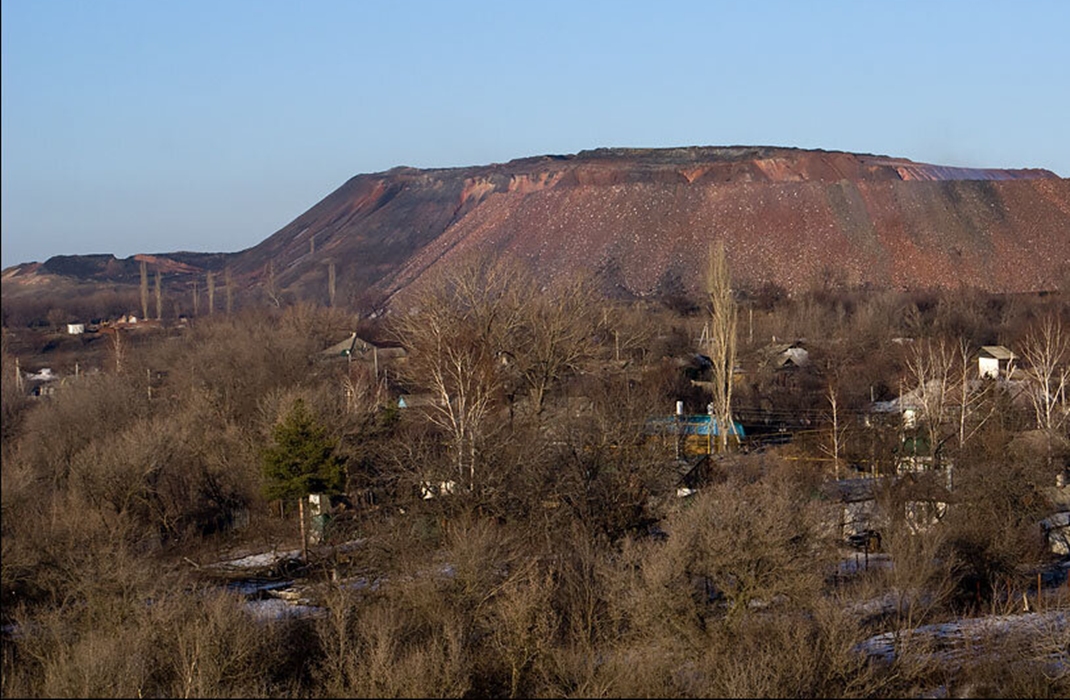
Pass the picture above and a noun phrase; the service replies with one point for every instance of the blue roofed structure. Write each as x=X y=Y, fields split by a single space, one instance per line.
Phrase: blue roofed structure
x=696 y=430
x=698 y=424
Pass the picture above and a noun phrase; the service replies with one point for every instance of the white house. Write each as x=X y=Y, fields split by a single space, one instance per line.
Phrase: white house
x=75 y=328
x=994 y=361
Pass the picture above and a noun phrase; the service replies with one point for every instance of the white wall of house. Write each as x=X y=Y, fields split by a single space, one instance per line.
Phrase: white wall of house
x=988 y=367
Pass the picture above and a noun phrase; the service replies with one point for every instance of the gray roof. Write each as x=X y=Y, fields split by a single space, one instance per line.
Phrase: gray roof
x=997 y=351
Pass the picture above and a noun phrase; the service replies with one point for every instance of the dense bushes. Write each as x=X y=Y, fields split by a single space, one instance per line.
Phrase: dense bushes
x=562 y=564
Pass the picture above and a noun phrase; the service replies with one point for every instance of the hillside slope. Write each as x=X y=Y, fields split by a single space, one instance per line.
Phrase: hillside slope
x=642 y=219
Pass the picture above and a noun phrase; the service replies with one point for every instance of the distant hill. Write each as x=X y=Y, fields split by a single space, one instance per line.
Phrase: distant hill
x=642 y=219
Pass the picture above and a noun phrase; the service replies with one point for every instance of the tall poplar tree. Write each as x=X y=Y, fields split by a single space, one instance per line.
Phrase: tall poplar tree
x=211 y=294
x=722 y=340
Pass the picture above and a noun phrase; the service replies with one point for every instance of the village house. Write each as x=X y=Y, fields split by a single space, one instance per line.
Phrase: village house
x=418 y=400
x=354 y=347
x=787 y=356
x=692 y=434
x=40 y=383
x=853 y=511
x=785 y=360
x=994 y=362
x=856 y=507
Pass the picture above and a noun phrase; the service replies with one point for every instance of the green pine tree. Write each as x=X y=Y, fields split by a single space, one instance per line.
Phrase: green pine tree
x=301 y=460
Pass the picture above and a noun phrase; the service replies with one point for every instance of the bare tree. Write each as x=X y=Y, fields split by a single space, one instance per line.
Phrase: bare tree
x=721 y=345
x=1046 y=355
x=118 y=349
x=838 y=431
x=196 y=299
x=922 y=579
x=930 y=366
x=555 y=335
x=455 y=331
x=703 y=572
x=271 y=287
x=630 y=326
x=971 y=396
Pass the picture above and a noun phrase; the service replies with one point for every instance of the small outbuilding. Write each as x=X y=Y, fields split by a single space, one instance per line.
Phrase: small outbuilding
x=994 y=361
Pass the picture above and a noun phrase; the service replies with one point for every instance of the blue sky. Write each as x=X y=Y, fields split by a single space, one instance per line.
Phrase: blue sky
x=164 y=125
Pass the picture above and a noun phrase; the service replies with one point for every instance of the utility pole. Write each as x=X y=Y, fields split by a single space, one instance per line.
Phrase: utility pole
x=709 y=433
x=144 y=291
x=159 y=295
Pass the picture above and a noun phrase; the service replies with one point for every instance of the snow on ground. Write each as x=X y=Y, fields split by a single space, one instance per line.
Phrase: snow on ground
x=858 y=562
x=260 y=561
x=274 y=609
x=883 y=605
x=950 y=641
x=251 y=587
x=263 y=560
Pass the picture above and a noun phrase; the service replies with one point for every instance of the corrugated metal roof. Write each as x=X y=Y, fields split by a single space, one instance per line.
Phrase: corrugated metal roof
x=698 y=424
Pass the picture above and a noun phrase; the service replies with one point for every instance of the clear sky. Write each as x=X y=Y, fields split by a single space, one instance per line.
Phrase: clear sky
x=207 y=125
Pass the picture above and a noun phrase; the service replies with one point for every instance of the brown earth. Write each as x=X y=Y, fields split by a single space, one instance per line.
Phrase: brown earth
x=643 y=220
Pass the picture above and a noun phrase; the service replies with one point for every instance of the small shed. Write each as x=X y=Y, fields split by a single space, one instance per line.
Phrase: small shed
x=994 y=361
x=75 y=328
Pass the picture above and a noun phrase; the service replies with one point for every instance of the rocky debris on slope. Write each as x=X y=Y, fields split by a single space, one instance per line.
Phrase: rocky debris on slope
x=643 y=220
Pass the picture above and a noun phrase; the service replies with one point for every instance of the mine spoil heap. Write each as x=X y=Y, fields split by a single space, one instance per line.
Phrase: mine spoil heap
x=643 y=221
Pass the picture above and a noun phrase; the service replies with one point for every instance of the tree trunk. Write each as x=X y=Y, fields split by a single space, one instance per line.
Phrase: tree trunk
x=229 y=291
x=721 y=342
